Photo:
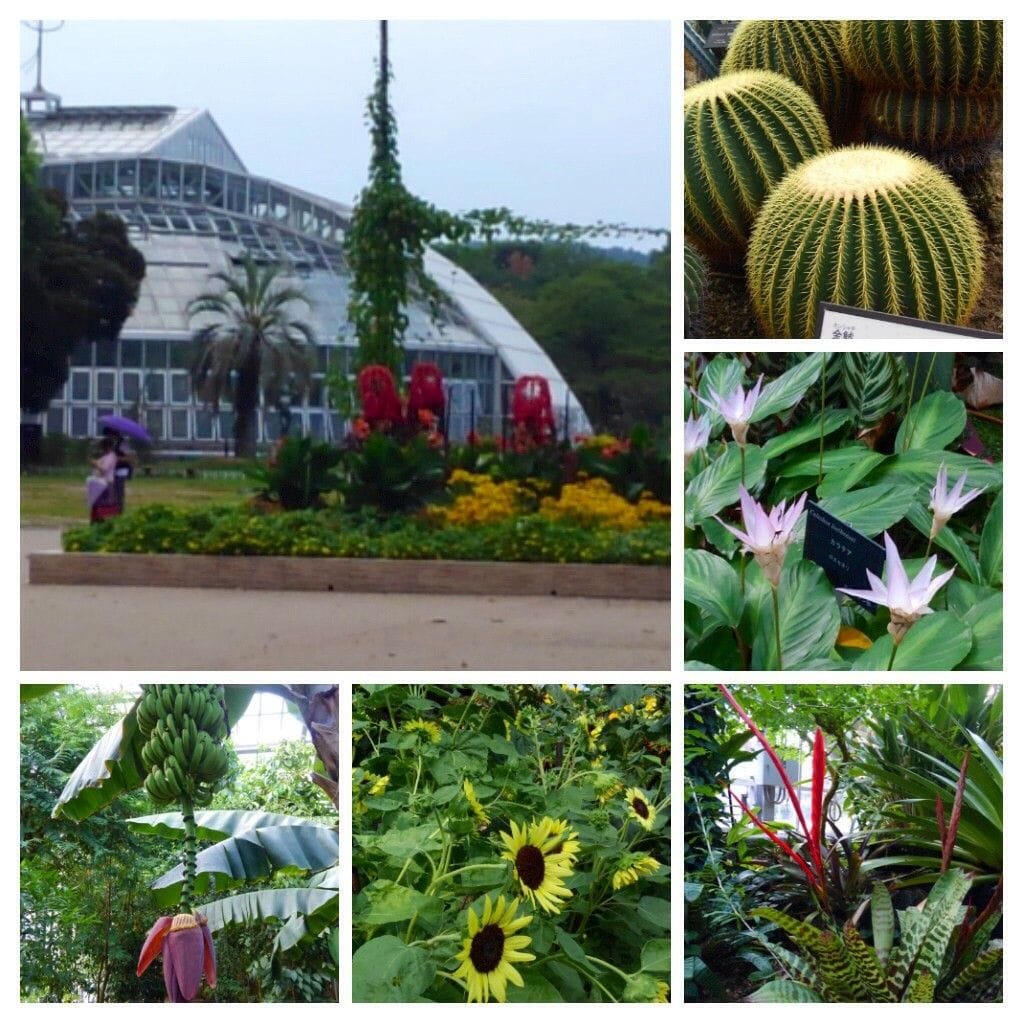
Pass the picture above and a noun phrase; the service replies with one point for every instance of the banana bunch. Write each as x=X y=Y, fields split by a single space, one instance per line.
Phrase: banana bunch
x=182 y=726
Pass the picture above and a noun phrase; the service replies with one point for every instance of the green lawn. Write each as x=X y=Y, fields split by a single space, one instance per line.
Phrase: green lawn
x=59 y=499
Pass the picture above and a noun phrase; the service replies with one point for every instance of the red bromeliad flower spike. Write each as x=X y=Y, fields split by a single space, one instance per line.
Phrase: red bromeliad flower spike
x=812 y=835
x=187 y=946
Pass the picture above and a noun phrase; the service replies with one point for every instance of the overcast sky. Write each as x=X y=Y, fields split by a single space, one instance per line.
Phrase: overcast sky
x=567 y=121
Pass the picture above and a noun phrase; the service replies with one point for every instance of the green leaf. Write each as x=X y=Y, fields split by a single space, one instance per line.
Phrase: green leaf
x=536 y=989
x=811 y=430
x=33 y=691
x=947 y=539
x=870 y=510
x=986 y=624
x=781 y=991
x=656 y=956
x=571 y=947
x=932 y=423
x=400 y=843
x=809 y=619
x=841 y=480
x=210 y=825
x=722 y=375
x=385 y=902
x=785 y=391
x=920 y=469
x=712 y=584
x=252 y=855
x=935 y=643
x=718 y=484
x=991 y=550
x=386 y=970
x=655 y=911
x=873 y=383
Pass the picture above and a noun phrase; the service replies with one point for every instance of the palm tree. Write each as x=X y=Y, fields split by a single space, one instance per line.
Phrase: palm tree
x=255 y=343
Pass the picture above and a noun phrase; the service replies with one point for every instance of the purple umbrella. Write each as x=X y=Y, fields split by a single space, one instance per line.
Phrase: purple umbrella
x=125 y=426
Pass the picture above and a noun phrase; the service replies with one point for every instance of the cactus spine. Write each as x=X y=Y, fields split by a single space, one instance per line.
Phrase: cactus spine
x=863 y=226
x=743 y=132
x=806 y=52
x=695 y=280
x=928 y=122
x=925 y=56
x=934 y=86
x=182 y=727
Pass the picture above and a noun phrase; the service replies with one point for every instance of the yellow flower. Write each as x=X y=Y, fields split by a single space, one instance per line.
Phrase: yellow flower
x=486 y=963
x=593 y=502
x=661 y=996
x=639 y=809
x=475 y=806
x=632 y=868
x=429 y=730
x=379 y=785
x=542 y=861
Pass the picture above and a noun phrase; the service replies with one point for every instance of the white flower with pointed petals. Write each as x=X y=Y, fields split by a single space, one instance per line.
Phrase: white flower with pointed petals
x=736 y=408
x=945 y=504
x=695 y=436
x=907 y=601
x=767 y=535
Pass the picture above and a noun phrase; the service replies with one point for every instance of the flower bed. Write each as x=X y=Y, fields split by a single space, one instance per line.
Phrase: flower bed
x=229 y=530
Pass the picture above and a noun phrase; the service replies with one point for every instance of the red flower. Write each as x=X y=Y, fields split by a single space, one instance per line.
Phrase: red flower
x=188 y=951
x=426 y=418
x=360 y=428
x=472 y=438
x=435 y=438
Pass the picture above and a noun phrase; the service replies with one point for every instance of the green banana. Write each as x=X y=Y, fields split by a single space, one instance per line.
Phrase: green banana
x=179 y=752
x=179 y=706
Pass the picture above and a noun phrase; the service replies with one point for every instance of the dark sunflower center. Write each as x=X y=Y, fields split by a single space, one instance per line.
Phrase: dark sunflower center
x=530 y=866
x=640 y=807
x=487 y=947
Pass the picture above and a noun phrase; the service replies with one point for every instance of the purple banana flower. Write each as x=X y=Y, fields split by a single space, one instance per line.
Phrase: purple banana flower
x=187 y=946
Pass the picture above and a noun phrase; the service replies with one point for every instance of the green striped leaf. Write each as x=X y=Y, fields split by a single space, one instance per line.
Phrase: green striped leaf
x=781 y=394
x=781 y=991
x=873 y=384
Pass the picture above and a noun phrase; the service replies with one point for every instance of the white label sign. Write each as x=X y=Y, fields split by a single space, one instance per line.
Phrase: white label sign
x=845 y=323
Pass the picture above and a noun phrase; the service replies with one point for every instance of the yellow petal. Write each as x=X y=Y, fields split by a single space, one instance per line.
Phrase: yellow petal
x=850 y=637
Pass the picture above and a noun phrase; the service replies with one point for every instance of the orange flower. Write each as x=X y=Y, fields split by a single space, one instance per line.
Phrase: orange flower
x=435 y=438
x=426 y=418
x=360 y=428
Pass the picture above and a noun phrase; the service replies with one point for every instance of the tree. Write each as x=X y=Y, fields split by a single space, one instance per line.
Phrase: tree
x=78 y=283
x=255 y=343
x=387 y=238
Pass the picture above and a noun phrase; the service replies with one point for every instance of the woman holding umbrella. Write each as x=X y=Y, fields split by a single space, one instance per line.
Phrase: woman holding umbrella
x=118 y=428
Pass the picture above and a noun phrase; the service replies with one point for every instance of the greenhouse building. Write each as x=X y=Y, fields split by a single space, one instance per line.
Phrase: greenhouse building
x=193 y=209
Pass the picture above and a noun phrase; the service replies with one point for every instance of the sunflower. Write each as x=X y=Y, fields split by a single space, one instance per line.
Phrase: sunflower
x=632 y=868
x=474 y=804
x=543 y=853
x=429 y=730
x=492 y=948
x=661 y=996
x=639 y=809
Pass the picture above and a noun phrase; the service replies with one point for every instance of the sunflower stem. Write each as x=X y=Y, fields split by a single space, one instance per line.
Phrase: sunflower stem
x=610 y=967
x=458 y=871
x=187 y=885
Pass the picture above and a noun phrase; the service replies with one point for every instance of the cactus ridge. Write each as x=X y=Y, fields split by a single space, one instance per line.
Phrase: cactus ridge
x=743 y=132
x=929 y=122
x=925 y=56
x=863 y=226
x=695 y=282
x=806 y=52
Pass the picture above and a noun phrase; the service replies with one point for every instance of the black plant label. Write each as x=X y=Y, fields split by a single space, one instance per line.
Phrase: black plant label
x=841 y=551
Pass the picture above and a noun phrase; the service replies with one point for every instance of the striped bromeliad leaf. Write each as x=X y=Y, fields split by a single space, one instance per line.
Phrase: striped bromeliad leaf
x=974 y=975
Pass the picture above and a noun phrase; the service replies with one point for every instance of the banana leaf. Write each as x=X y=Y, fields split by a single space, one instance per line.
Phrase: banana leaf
x=211 y=826
x=317 y=908
x=253 y=855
